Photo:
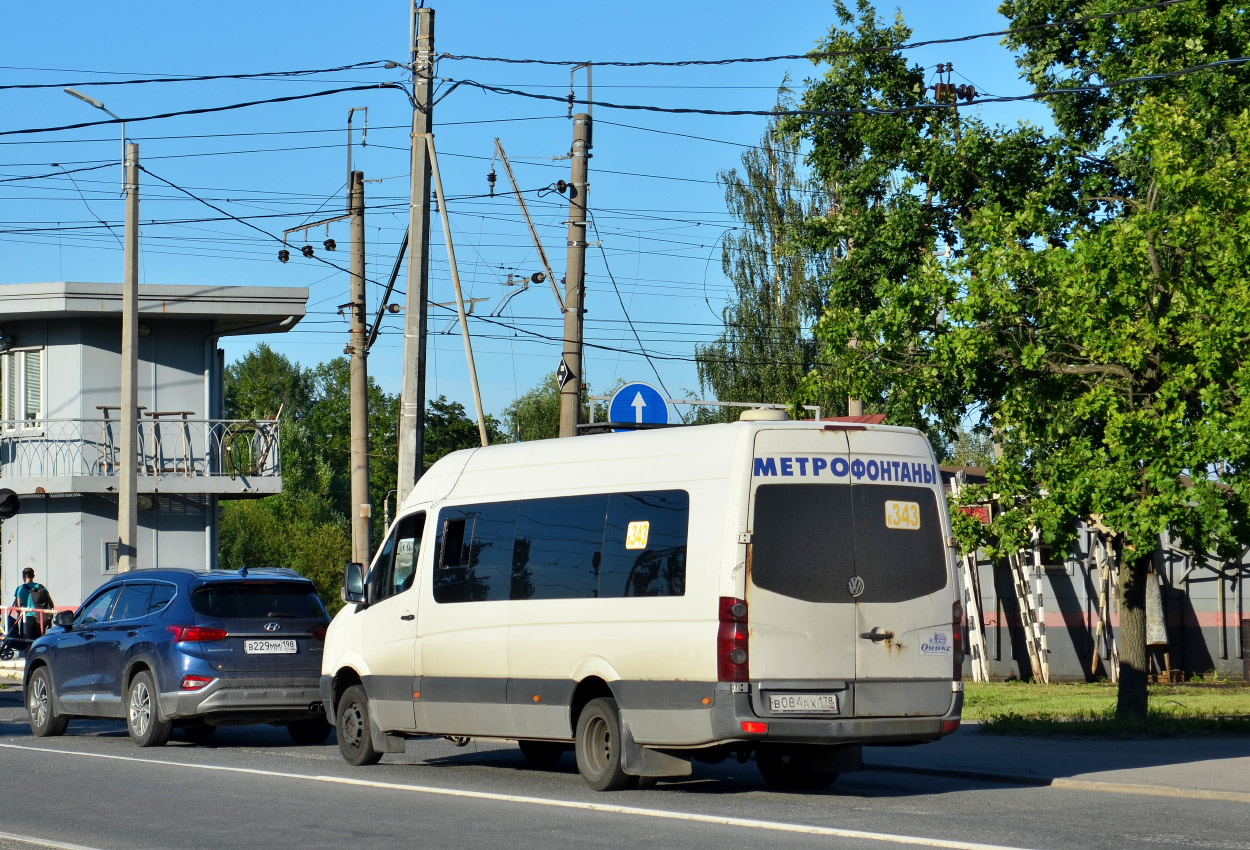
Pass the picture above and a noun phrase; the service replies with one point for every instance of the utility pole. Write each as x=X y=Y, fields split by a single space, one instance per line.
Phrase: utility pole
x=412 y=389
x=128 y=485
x=359 y=375
x=569 y=375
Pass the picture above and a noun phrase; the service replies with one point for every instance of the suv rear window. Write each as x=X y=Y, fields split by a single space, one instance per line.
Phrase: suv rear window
x=255 y=600
x=809 y=540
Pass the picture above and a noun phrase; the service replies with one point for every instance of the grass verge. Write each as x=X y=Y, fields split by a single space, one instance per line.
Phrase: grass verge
x=1019 y=708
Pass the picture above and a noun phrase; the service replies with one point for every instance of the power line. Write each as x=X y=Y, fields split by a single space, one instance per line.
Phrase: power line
x=625 y=310
x=817 y=55
x=187 y=78
x=864 y=110
x=204 y=110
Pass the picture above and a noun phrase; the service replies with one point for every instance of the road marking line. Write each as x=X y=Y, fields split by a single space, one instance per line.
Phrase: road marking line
x=43 y=842
x=606 y=808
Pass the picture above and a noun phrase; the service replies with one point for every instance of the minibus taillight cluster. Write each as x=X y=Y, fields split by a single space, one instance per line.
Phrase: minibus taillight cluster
x=959 y=629
x=731 y=641
x=195 y=634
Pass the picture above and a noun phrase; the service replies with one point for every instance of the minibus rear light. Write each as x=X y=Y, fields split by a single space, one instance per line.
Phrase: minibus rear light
x=754 y=727
x=949 y=726
x=731 y=641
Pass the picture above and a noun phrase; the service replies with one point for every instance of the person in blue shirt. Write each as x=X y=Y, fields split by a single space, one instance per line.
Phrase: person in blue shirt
x=30 y=625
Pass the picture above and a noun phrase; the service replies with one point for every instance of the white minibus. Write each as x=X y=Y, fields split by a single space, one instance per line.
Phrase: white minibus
x=777 y=588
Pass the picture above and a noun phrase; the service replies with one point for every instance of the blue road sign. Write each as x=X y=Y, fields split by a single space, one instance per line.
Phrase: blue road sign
x=638 y=403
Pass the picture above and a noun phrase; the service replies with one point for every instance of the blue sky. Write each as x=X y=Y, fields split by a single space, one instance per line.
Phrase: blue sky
x=659 y=210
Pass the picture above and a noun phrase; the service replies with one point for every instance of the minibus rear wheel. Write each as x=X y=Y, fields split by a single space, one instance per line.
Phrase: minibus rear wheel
x=598 y=746
x=355 y=739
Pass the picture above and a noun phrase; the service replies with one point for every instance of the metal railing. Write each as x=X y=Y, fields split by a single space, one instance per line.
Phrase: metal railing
x=169 y=444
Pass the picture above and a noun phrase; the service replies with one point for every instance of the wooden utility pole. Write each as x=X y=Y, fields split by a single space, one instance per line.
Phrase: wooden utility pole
x=412 y=389
x=359 y=375
x=569 y=375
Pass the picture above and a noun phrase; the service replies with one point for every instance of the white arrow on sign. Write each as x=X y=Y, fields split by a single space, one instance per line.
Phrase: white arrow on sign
x=638 y=404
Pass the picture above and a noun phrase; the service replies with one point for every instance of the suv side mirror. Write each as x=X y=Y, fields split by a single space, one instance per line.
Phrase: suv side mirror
x=65 y=619
x=353 y=583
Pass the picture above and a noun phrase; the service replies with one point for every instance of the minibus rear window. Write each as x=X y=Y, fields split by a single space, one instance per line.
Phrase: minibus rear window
x=809 y=540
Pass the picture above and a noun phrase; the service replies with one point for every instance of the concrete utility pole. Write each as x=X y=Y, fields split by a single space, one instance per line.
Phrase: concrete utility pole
x=128 y=486
x=412 y=389
x=570 y=372
x=359 y=376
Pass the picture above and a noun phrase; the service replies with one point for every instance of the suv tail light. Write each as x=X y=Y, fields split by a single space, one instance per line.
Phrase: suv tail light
x=195 y=634
x=320 y=632
x=731 y=641
x=194 y=683
x=959 y=639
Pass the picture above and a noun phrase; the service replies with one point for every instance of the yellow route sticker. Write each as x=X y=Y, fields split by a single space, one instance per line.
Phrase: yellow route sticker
x=905 y=515
x=636 y=535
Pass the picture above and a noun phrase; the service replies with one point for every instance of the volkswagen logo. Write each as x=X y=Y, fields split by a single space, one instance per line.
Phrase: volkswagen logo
x=855 y=586
x=273 y=627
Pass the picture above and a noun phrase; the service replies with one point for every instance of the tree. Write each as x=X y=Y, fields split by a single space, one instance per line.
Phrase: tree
x=536 y=414
x=767 y=347
x=1096 y=302
x=329 y=427
x=298 y=528
x=263 y=382
x=448 y=428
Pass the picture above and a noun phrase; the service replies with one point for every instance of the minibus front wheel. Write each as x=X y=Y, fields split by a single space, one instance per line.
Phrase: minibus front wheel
x=599 y=746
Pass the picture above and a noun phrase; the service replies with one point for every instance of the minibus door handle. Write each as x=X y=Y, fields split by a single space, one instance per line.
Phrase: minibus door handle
x=875 y=635
x=408 y=617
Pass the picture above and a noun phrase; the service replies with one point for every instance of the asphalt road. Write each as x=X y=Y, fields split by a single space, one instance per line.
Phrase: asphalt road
x=252 y=788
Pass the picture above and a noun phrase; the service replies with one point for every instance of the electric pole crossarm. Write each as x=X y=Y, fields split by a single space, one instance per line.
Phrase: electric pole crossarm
x=542 y=255
x=455 y=279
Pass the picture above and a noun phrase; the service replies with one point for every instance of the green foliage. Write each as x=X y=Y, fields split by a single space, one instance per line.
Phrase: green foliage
x=263 y=382
x=767 y=347
x=536 y=414
x=1095 y=303
x=449 y=428
x=299 y=528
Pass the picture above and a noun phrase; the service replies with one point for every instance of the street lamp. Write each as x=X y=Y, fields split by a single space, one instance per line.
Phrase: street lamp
x=128 y=485
x=98 y=105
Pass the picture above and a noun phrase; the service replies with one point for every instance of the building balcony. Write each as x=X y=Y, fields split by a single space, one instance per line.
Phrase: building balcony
x=175 y=454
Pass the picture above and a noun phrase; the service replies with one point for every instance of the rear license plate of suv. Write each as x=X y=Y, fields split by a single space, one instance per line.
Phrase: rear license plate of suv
x=269 y=647
x=803 y=703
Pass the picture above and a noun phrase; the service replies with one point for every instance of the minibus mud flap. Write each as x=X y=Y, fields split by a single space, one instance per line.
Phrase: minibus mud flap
x=639 y=761
x=383 y=742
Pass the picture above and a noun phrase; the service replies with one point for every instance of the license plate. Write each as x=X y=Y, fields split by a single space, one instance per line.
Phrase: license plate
x=803 y=703
x=269 y=647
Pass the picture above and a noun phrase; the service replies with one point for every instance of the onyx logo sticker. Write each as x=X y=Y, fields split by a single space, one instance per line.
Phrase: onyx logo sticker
x=939 y=644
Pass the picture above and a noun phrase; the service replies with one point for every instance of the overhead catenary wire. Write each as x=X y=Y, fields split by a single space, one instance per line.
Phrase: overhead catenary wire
x=816 y=55
x=927 y=106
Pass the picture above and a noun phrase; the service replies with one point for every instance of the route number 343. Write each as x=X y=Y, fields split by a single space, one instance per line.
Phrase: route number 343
x=905 y=515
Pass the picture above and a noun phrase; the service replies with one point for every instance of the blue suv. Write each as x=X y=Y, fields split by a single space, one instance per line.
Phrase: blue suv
x=195 y=650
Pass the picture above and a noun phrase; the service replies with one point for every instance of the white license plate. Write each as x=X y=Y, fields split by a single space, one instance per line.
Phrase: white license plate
x=803 y=703
x=269 y=647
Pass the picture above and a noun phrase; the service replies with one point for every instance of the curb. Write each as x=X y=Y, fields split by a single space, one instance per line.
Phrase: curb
x=1070 y=784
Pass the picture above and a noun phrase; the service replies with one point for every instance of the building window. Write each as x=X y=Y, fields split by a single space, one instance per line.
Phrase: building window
x=21 y=385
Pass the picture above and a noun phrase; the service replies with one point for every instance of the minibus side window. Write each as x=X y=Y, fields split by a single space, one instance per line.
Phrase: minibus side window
x=396 y=563
x=644 y=544
x=559 y=546
x=473 y=559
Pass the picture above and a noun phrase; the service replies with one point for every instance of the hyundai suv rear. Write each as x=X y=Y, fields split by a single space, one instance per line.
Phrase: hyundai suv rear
x=174 y=648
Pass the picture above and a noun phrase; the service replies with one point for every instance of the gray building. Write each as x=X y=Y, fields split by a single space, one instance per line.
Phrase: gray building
x=60 y=367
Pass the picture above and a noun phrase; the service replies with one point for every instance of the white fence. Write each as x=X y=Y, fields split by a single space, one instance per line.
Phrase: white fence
x=167 y=444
